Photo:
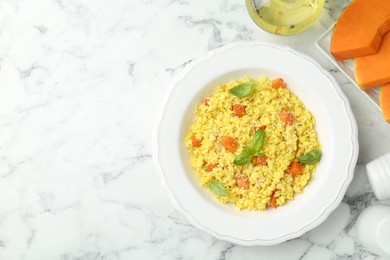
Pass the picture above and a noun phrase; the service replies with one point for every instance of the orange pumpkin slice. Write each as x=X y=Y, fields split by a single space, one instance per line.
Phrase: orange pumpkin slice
x=374 y=70
x=360 y=28
x=385 y=101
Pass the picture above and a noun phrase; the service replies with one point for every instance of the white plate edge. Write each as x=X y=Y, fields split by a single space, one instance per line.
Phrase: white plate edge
x=327 y=210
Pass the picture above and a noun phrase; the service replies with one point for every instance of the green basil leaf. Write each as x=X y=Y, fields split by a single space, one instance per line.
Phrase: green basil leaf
x=243 y=90
x=243 y=158
x=311 y=157
x=257 y=140
x=258 y=154
x=247 y=148
x=218 y=189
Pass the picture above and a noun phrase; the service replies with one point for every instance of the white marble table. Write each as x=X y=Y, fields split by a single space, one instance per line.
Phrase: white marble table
x=80 y=84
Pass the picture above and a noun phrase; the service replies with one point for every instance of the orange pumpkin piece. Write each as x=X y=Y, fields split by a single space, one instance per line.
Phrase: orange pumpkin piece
x=210 y=167
x=360 y=28
x=263 y=127
x=229 y=143
x=385 y=101
x=195 y=141
x=278 y=83
x=261 y=160
x=295 y=169
x=242 y=182
x=239 y=110
x=374 y=70
x=272 y=201
x=286 y=117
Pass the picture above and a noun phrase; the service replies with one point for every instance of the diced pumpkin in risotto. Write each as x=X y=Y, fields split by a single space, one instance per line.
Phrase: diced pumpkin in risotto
x=252 y=169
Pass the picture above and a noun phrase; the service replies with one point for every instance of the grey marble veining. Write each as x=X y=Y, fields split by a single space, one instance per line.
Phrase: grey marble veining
x=80 y=84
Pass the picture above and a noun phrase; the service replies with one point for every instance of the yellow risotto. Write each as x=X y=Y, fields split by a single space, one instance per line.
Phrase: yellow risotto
x=253 y=143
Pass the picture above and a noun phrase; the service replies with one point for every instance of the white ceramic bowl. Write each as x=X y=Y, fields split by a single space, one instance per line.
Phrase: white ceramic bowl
x=336 y=128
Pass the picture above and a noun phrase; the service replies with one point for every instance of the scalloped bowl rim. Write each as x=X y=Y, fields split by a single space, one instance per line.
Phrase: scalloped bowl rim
x=253 y=239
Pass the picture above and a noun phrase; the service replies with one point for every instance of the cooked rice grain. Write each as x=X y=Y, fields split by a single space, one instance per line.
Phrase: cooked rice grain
x=283 y=143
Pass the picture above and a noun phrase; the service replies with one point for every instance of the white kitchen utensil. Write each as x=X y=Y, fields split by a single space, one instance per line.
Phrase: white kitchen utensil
x=373 y=229
x=378 y=172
